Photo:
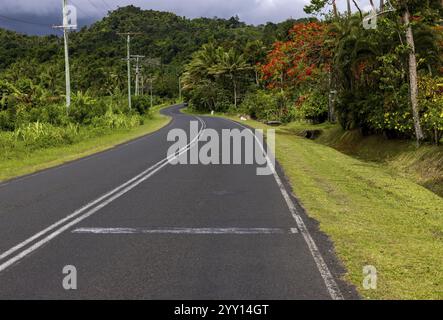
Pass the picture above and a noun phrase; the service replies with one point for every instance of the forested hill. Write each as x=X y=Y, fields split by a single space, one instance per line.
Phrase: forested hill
x=97 y=51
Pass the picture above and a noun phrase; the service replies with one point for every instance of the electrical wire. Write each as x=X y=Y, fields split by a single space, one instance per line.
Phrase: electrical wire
x=79 y=8
x=95 y=6
x=107 y=6
x=24 y=21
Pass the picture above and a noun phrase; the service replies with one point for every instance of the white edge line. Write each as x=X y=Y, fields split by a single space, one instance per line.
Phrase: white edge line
x=159 y=165
x=329 y=280
x=185 y=231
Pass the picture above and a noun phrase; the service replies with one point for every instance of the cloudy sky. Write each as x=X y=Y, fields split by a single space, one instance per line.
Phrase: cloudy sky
x=40 y=14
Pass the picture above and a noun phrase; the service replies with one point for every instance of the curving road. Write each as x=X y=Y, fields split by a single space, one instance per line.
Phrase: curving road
x=136 y=227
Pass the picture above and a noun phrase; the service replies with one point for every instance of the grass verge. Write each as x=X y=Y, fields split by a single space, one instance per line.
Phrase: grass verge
x=373 y=215
x=53 y=156
x=423 y=165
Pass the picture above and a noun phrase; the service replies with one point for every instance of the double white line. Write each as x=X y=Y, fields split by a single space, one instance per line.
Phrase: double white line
x=86 y=211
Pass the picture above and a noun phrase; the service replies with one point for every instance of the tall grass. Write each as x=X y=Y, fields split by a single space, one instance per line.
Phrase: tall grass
x=39 y=135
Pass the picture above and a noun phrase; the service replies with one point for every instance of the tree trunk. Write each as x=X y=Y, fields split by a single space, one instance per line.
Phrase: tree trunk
x=382 y=5
x=349 y=8
x=413 y=77
x=334 y=6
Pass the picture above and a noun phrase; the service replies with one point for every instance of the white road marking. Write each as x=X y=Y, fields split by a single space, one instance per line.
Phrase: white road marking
x=330 y=283
x=110 y=196
x=186 y=230
x=329 y=280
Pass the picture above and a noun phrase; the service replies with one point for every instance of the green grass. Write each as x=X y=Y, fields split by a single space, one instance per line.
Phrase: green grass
x=26 y=163
x=423 y=165
x=373 y=215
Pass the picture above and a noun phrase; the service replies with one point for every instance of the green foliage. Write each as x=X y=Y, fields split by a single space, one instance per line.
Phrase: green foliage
x=84 y=108
x=431 y=100
x=142 y=104
x=268 y=106
x=314 y=106
x=371 y=74
x=220 y=63
x=315 y=6
x=214 y=74
x=40 y=135
x=259 y=105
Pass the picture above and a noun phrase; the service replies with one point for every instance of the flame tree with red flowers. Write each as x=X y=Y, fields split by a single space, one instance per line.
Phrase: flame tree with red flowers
x=300 y=68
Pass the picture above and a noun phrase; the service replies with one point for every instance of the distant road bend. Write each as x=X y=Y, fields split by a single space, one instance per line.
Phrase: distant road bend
x=136 y=227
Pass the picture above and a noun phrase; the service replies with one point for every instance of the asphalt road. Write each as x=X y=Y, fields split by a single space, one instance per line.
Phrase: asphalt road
x=135 y=227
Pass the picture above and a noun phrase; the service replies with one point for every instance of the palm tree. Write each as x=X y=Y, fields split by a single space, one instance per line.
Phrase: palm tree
x=231 y=64
x=199 y=67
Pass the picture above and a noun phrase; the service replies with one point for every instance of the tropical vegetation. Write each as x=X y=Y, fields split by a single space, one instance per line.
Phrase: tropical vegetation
x=385 y=80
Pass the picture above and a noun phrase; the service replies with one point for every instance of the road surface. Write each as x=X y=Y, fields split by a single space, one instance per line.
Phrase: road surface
x=137 y=227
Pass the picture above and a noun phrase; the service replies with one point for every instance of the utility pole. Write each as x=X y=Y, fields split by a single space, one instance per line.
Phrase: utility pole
x=137 y=72
x=128 y=58
x=66 y=27
x=179 y=89
x=143 y=84
x=150 y=88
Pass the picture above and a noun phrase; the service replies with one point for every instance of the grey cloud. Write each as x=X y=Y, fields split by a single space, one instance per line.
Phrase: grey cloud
x=48 y=12
x=251 y=11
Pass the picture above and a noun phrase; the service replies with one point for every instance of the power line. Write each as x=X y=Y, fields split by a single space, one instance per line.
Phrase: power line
x=106 y=4
x=95 y=6
x=79 y=8
x=24 y=21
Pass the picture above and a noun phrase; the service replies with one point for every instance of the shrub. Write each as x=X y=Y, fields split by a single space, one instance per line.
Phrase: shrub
x=54 y=114
x=116 y=121
x=266 y=106
x=314 y=106
x=258 y=105
x=431 y=102
x=40 y=135
x=7 y=123
x=141 y=104
x=84 y=108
